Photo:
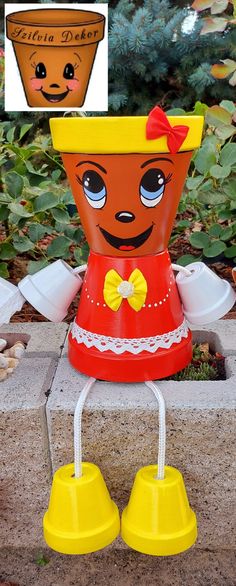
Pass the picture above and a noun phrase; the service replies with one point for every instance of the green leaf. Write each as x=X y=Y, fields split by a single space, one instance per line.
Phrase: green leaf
x=220 y=172
x=199 y=239
x=217 y=116
x=226 y=234
x=225 y=215
x=215 y=230
x=45 y=201
x=215 y=248
x=176 y=112
x=212 y=198
x=200 y=109
x=14 y=184
x=206 y=186
x=56 y=174
x=24 y=129
x=77 y=255
x=59 y=246
x=41 y=560
x=228 y=154
x=229 y=106
x=19 y=210
x=61 y=216
x=32 y=170
x=230 y=188
x=10 y=134
x=36 y=265
x=67 y=197
x=36 y=232
x=224 y=132
x=205 y=158
x=7 y=251
x=183 y=224
x=3 y=270
x=187 y=259
x=4 y=213
x=231 y=251
x=194 y=182
x=22 y=243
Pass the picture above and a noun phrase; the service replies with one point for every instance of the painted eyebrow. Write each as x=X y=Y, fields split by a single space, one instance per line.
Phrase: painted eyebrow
x=34 y=53
x=92 y=163
x=156 y=159
x=77 y=55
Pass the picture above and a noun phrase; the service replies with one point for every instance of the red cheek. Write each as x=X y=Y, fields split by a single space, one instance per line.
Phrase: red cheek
x=73 y=84
x=36 y=83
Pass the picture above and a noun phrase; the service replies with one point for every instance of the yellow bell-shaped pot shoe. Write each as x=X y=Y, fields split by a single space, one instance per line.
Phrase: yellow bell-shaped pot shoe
x=81 y=517
x=158 y=519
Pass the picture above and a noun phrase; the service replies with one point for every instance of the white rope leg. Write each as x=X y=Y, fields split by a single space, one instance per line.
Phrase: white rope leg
x=77 y=426
x=162 y=429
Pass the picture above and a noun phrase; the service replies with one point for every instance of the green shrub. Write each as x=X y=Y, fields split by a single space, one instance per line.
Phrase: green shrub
x=209 y=197
x=34 y=201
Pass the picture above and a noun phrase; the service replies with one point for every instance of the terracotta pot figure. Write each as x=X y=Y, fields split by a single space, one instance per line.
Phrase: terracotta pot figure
x=130 y=324
x=55 y=51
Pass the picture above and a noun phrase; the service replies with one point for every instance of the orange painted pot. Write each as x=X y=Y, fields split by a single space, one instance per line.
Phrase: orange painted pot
x=127 y=180
x=55 y=51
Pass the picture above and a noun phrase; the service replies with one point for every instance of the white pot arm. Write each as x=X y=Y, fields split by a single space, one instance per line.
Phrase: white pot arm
x=181 y=269
x=11 y=301
x=80 y=269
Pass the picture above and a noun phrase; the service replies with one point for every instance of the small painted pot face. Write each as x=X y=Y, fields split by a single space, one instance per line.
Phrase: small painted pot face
x=127 y=202
x=55 y=50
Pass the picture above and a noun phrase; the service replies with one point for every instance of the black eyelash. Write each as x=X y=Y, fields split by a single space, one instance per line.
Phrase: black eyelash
x=76 y=65
x=168 y=178
x=33 y=65
x=79 y=180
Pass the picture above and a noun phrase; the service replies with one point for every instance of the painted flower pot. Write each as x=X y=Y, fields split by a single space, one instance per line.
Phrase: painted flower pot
x=55 y=50
x=127 y=180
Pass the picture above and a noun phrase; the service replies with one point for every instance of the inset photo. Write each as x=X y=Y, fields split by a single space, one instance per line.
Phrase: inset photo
x=56 y=57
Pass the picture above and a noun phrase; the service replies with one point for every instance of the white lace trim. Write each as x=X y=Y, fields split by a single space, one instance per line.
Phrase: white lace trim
x=132 y=345
x=15 y=303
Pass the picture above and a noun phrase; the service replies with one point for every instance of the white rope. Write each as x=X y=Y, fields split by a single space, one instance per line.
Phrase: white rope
x=181 y=269
x=162 y=430
x=80 y=269
x=77 y=427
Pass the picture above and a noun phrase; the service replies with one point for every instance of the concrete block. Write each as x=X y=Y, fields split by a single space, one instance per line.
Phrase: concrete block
x=26 y=466
x=221 y=335
x=121 y=568
x=120 y=425
x=41 y=337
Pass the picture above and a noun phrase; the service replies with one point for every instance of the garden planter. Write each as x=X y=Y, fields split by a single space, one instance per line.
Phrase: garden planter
x=127 y=184
x=55 y=50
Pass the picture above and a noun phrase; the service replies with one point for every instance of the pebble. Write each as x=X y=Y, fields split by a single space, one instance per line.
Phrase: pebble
x=3 y=361
x=3 y=374
x=12 y=362
x=15 y=351
x=3 y=344
x=9 y=357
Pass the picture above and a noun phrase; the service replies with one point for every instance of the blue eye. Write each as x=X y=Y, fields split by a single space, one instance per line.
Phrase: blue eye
x=152 y=187
x=94 y=189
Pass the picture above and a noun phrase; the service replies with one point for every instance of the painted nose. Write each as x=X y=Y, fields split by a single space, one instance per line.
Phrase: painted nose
x=125 y=217
x=54 y=85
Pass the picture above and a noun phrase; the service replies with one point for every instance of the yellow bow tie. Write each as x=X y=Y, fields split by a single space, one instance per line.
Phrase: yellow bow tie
x=116 y=289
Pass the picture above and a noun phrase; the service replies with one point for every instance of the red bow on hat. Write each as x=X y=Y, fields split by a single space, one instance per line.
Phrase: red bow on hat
x=158 y=125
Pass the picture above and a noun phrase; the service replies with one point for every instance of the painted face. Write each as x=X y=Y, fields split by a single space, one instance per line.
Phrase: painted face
x=127 y=203
x=55 y=77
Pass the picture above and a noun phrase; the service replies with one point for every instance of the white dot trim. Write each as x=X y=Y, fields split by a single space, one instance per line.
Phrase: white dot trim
x=149 y=305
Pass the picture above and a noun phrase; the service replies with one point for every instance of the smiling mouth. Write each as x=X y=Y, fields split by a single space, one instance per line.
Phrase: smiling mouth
x=54 y=97
x=126 y=244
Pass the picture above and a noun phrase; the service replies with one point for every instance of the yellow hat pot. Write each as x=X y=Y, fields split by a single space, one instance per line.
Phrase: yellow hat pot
x=158 y=519
x=81 y=517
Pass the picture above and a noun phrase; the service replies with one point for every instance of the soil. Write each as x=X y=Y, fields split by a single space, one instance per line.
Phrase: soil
x=18 y=270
